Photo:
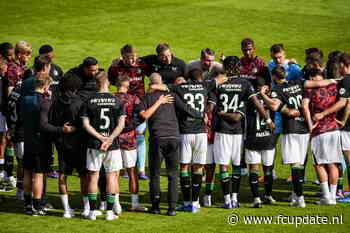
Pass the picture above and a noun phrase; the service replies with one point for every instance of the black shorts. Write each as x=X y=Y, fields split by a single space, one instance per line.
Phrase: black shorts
x=68 y=160
x=37 y=163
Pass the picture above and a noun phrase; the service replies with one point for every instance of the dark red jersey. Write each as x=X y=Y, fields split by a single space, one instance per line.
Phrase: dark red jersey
x=127 y=139
x=136 y=74
x=14 y=74
x=320 y=100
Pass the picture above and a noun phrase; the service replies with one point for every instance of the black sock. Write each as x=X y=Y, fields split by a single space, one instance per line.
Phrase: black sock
x=156 y=202
x=185 y=183
x=37 y=204
x=268 y=181
x=9 y=165
x=236 y=179
x=92 y=201
x=110 y=200
x=297 y=180
x=196 y=185
x=209 y=187
x=254 y=183
x=27 y=199
x=102 y=184
x=225 y=182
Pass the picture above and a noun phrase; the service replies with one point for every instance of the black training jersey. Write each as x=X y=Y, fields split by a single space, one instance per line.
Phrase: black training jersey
x=259 y=135
x=344 y=92
x=195 y=94
x=13 y=116
x=103 y=111
x=290 y=93
x=232 y=96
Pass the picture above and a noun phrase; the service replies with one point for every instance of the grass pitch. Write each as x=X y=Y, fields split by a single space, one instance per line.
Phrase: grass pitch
x=78 y=29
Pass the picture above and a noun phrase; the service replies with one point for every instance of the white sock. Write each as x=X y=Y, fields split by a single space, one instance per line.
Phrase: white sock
x=195 y=203
x=227 y=198
x=333 y=191
x=234 y=197
x=116 y=200
x=324 y=189
x=134 y=200
x=257 y=200
x=2 y=161
x=86 y=203
x=65 y=203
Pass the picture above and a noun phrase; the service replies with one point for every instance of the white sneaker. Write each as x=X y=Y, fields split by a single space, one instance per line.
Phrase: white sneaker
x=292 y=197
x=323 y=201
x=256 y=203
x=2 y=176
x=117 y=208
x=12 y=181
x=299 y=202
x=110 y=215
x=92 y=215
x=103 y=206
x=98 y=212
x=207 y=200
x=269 y=200
x=85 y=213
x=20 y=194
x=68 y=213
x=332 y=202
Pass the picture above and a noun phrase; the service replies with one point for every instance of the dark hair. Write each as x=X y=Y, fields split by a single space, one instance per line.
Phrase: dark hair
x=314 y=58
x=193 y=74
x=70 y=83
x=247 y=41
x=279 y=72
x=207 y=51
x=231 y=65
x=162 y=47
x=333 y=65
x=122 y=79
x=345 y=59
x=260 y=81
x=4 y=48
x=40 y=62
x=128 y=48
x=89 y=61
x=276 y=48
x=313 y=72
x=310 y=51
x=45 y=49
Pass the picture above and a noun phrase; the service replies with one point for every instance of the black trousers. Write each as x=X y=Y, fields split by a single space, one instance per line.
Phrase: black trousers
x=169 y=150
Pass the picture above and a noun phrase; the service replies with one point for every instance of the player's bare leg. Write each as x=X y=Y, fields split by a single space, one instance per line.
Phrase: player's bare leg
x=134 y=190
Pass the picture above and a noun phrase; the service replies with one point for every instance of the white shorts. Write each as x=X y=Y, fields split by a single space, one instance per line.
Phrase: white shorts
x=345 y=140
x=19 y=149
x=129 y=158
x=111 y=160
x=294 y=148
x=194 y=148
x=3 y=125
x=210 y=154
x=228 y=148
x=258 y=156
x=326 y=148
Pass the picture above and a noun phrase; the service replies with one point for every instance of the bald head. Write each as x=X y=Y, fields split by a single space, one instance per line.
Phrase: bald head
x=155 y=78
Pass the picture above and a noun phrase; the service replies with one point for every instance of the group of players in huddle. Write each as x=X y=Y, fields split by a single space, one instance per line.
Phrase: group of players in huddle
x=199 y=115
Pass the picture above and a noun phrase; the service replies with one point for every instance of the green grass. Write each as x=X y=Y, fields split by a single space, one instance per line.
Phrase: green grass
x=99 y=28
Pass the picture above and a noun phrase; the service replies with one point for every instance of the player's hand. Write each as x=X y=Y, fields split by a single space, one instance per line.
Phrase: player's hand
x=340 y=123
x=318 y=116
x=264 y=89
x=271 y=125
x=205 y=119
x=220 y=79
x=67 y=128
x=313 y=126
x=166 y=99
x=294 y=113
x=106 y=143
